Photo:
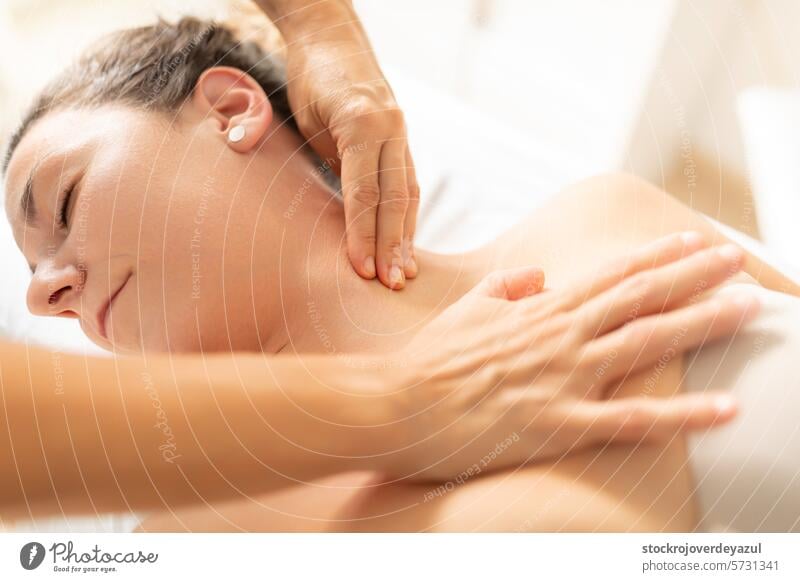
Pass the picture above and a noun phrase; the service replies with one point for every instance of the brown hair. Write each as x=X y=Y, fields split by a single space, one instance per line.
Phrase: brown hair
x=156 y=68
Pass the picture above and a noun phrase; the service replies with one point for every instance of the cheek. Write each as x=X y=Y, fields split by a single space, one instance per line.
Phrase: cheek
x=93 y=216
x=193 y=261
x=157 y=313
x=108 y=222
x=181 y=277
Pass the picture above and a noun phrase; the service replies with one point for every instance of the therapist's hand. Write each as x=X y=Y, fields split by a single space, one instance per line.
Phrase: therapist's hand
x=548 y=358
x=346 y=110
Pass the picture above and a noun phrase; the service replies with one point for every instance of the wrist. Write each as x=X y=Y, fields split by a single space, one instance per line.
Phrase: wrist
x=302 y=21
x=414 y=388
x=375 y=402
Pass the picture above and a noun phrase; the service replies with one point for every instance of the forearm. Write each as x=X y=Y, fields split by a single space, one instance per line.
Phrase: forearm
x=87 y=434
x=314 y=20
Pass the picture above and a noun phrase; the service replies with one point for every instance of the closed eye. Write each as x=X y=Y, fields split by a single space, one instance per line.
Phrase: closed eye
x=64 y=207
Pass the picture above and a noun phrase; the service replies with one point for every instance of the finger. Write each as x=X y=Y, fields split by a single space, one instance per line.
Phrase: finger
x=659 y=338
x=392 y=214
x=511 y=284
x=657 y=290
x=410 y=225
x=643 y=419
x=660 y=252
x=361 y=193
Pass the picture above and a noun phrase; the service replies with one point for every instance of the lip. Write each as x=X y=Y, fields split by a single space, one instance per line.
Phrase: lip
x=105 y=311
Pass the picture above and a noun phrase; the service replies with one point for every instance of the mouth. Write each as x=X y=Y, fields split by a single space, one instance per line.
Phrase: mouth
x=105 y=311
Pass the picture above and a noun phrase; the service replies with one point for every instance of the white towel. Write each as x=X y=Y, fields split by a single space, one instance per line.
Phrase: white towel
x=747 y=473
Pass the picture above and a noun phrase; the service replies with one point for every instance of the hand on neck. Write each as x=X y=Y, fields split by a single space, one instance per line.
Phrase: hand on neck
x=308 y=296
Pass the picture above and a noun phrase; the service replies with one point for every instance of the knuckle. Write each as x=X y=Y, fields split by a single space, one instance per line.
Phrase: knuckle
x=395 y=193
x=567 y=303
x=584 y=360
x=394 y=203
x=585 y=317
x=365 y=194
x=622 y=268
x=393 y=115
x=670 y=248
x=359 y=238
x=566 y=332
x=413 y=192
x=541 y=311
x=351 y=145
x=635 y=334
x=637 y=292
x=636 y=423
x=356 y=102
x=638 y=286
x=574 y=333
x=372 y=100
x=392 y=246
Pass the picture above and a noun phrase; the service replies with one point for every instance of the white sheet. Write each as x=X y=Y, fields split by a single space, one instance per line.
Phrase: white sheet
x=748 y=471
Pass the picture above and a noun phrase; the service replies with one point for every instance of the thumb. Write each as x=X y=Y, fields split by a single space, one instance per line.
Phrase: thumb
x=511 y=284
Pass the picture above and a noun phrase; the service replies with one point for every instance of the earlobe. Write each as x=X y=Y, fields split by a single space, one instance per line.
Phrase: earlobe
x=237 y=104
x=236 y=133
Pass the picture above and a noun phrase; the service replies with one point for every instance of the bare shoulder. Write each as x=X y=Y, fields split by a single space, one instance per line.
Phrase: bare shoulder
x=606 y=216
x=590 y=222
x=625 y=207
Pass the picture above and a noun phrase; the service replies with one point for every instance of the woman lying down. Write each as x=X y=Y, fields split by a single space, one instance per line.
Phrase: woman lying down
x=161 y=229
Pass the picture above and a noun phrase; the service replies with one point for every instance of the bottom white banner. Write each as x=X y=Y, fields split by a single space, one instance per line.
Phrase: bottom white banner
x=406 y=557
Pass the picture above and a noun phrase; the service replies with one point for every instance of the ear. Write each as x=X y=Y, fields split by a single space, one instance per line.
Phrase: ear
x=230 y=97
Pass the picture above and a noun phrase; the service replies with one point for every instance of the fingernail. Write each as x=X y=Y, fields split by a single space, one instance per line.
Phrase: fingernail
x=730 y=252
x=411 y=267
x=724 y=404
x=369 y=266
x=748 y=303
x=396 y=276
x=407 y=253
x=691 y=239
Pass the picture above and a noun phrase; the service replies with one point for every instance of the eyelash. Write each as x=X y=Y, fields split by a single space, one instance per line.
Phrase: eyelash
x=64 y=207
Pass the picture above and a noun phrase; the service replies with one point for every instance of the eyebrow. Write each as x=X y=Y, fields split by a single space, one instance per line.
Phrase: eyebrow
x=27 y=202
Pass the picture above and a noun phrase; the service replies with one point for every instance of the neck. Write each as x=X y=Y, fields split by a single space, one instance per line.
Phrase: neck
x=318 y=302
x=331 y=309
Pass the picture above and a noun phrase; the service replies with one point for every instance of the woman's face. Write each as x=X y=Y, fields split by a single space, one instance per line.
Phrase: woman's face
x=130 y=225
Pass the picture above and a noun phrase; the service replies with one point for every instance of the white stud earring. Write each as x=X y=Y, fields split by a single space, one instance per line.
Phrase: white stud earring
x=236 y=133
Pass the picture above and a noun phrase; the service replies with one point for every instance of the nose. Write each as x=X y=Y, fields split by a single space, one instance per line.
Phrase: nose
x=54 y=290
